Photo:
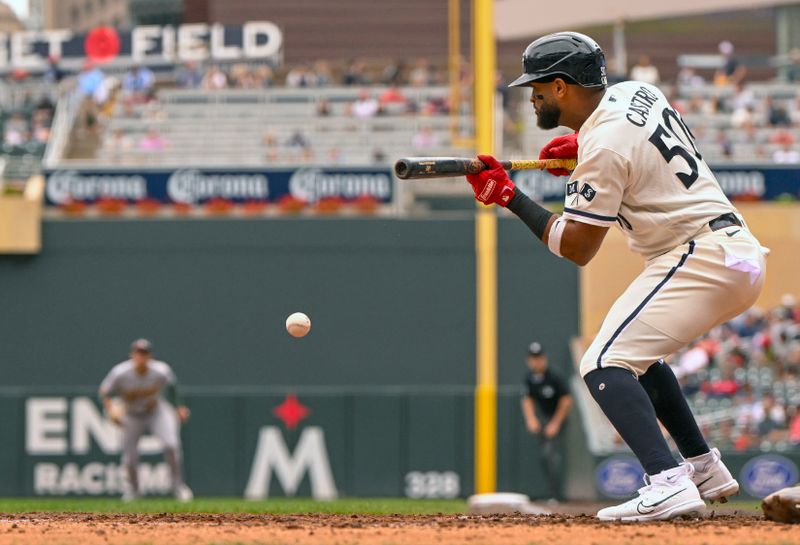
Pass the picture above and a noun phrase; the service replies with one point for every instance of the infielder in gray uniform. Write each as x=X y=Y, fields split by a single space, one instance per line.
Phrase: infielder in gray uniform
x=139 y=382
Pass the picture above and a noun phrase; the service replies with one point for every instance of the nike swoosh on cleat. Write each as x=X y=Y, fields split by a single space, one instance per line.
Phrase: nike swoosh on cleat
x=731 y=233
x=701 y=483
x=652 y=506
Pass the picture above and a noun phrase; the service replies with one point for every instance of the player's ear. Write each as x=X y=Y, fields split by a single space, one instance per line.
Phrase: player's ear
x=559 y=87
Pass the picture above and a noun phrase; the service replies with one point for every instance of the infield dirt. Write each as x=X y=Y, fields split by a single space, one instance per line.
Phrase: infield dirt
x=319 y=529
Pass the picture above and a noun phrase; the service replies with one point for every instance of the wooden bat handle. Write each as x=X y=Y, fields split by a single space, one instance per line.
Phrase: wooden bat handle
x=410 y=168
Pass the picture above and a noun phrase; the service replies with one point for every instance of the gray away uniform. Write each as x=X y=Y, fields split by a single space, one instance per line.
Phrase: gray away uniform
x=146 y=411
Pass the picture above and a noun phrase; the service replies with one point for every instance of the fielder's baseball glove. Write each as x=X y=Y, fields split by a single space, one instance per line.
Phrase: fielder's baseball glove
x=783 y=505
x=116 y=412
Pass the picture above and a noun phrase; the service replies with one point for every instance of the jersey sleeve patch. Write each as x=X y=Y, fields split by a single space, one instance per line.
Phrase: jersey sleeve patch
x=594 y=192
x=572 y=188
x=588 y=192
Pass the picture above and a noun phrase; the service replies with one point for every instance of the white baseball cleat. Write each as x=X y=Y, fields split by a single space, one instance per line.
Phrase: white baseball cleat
x=183 y=493
x=130 y=495
x=669 y=494
x=712 y=478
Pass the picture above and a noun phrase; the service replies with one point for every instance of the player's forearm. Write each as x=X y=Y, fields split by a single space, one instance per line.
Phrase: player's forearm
x=104 y=396
x=571 y=244
x=536 y=217
x=173 y=396
x=562 y=409
x=528 y=410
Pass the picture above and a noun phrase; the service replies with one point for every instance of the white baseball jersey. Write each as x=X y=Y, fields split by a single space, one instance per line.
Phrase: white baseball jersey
x=141 y=392
x=639 y=168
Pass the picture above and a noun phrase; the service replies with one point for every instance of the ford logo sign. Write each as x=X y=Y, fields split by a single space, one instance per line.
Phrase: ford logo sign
x=619 y=477
x=765 y=474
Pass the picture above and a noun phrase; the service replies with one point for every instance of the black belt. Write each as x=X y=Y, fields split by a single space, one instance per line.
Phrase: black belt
x=723 y=221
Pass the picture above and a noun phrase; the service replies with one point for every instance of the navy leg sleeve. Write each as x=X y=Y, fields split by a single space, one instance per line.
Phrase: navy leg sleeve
x=672 y=409
x=630 y=411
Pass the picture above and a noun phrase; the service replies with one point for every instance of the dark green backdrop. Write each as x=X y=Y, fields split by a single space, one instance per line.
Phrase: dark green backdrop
x=391 y=301
x=387 y=370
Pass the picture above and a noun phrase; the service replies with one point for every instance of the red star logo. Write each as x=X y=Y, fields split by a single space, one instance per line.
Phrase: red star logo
x=291 y=411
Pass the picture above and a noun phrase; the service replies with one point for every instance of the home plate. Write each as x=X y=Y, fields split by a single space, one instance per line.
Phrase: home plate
x=503 y=503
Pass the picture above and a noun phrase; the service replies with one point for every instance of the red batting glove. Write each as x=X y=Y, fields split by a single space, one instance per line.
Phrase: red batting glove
x=492 y=186
x=560 y=147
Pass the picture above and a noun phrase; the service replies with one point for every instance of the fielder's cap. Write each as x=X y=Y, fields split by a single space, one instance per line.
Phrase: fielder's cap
x=535 y=349
x=141 y=345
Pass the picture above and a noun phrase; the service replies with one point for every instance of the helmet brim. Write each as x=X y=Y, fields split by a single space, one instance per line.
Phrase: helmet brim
x=524 y=80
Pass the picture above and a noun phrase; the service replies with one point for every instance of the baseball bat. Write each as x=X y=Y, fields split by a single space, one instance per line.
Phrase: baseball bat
x=411 y=168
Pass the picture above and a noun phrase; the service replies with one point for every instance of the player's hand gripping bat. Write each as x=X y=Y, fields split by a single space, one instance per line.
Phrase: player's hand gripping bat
x=410 y=168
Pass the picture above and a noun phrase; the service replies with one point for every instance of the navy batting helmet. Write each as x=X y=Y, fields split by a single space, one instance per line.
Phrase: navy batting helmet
x=569 y=55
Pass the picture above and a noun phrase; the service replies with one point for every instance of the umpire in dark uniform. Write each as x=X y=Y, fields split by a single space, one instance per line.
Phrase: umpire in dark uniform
x=546 y=403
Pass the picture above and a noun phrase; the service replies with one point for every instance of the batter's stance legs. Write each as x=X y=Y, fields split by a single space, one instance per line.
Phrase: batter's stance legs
x=672 y=409
x=627 y=406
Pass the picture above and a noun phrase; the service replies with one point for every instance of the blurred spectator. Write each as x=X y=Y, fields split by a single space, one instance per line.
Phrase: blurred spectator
x=689 y=78
x=424 y=139
x=725 y=144
x=777 y=116
x=420 y=75
x=355 y=74
x=392 y=96
x=215 y=79
x=743 y=97
x=239 y=76
x=335 y=156
x=301 y=76
x=793 y=65
x=743 y=118
x=189 y=76
x=724 y=436
x=769 y=415
x=732 y=71
x=53 y=74
x=119 y=144
x=794 y=427
x=787 y=153
x=696 y=358
x=378 y=155
x=323 y=108
x=138 y=81
x=323 y=72
x=365 y=106
x=645 y=71
x=725 y=386
x=271 y=143
x=90 y=79
x=152 y=141
x=15 y=131
x=298 y=140
x=393 y=73
x=263 y=76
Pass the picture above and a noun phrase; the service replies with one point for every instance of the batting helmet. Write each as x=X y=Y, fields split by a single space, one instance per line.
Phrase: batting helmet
x=568 y=55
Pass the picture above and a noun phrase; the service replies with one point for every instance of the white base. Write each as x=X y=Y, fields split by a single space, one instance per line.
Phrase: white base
x=503 y=503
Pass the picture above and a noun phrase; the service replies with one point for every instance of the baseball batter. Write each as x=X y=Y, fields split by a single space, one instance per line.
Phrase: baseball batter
x=638 y=169
x=139 y=382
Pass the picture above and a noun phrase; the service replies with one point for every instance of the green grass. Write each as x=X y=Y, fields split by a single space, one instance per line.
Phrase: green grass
x=234 y=505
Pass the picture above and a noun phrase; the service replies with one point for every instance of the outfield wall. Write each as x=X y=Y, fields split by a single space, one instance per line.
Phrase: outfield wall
x=319 y=442
x=255 y=442
x=391 y=301
x=387 y=371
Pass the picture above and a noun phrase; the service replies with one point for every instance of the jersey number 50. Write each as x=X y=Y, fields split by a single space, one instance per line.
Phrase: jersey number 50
x=674 y=129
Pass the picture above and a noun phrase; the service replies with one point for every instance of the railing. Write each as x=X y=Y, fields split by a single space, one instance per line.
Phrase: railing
x=63 y=122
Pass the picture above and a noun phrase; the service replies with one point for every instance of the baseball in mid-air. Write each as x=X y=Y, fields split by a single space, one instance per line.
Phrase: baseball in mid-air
x=298 y=324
